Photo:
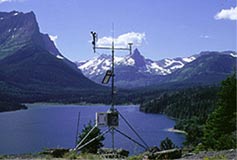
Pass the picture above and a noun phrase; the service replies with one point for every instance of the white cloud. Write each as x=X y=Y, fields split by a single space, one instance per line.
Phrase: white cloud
x=123 y=40
x=230 y=14
x=53 y=38
x=2 y=1
x=205 y=36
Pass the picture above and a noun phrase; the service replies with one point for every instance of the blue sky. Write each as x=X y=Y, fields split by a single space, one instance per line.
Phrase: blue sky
x=159 y=28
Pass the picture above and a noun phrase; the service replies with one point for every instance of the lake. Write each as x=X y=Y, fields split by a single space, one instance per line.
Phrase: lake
x=54 y=125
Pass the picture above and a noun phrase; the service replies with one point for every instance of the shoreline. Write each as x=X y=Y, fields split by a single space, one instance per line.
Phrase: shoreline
x=53 y=104
x=176 y=131
x=11 y=106
x=76 y=104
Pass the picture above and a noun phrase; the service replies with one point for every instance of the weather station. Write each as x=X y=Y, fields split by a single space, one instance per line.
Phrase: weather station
x=110 y=119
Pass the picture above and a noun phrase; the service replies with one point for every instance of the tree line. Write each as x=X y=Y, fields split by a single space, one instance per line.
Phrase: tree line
x=207 y=114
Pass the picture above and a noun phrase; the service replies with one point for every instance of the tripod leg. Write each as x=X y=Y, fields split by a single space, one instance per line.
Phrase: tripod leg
x=80 y=147
x=130 y=138
x=134 y=130
x=112 y=134
x=85 y=137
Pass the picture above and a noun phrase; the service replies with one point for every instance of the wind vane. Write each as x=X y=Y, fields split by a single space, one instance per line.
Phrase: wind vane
x=95 y=39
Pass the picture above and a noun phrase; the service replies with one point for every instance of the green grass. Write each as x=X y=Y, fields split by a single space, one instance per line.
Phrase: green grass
x=75 y=155
x=218 y=157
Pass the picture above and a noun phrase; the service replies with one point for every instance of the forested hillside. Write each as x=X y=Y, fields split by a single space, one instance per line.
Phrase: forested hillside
x=220 y=128
x=190 y=107
x=184 y=104
x=207 y=114
x=6 y=106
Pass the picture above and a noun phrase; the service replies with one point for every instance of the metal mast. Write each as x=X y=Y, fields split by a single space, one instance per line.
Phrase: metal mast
x=112 y=48
x=112 y=89
x=111 y=117
x=112 y=85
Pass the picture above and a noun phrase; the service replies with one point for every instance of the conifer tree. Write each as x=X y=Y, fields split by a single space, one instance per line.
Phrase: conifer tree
x=96 y=144
x=167 y=144
x=220 y=129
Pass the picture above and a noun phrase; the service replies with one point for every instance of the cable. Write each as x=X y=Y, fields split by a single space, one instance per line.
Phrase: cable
x=133 y=130
x=85 y=137
x=106 y=131
x=131 y=139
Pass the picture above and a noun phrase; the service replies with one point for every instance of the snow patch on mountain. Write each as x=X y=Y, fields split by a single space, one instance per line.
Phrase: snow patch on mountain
x=60 y=57
x=15 y=14
x=136 y=70
x=177 y=66
x=233 y=55
x=130 y=61
x=154 y=68
x=189 y=59
x=169 y=62
x=100 y=64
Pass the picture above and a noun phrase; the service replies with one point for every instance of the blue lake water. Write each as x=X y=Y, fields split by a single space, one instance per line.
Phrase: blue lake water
x=50 y=126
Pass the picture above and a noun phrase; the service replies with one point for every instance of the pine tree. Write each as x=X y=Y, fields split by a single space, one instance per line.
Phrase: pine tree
x=220 y=129
x=167 y=144
x=96 y=144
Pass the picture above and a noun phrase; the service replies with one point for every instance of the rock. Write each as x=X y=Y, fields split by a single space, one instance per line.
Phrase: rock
x=224 y=154
x=110 y=153
x=153 y=149
x=57 y=153
x=166 y=154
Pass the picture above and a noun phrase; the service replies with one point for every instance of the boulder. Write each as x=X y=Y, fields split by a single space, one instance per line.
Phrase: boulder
x=165 y=154
x=57 y=153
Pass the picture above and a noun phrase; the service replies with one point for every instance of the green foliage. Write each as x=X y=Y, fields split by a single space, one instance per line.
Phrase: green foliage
x=184 y=104
x=193 y=128
x=167 y=144
x=137 y=157
x=190 y=107
x=71 y=155
x=88 y=156
x=96 y=144
x=218 y=157
x=11 y=106
x=220 y=129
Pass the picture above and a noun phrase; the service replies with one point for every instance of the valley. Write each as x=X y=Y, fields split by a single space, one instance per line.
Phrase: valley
x=195 y=91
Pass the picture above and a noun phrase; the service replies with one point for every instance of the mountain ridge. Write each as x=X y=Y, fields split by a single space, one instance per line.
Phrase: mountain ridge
x=32 y=66
x=160 y=67
x=137 y=71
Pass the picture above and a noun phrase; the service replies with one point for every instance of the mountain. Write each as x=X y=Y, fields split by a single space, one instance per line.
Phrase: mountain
x=19 y=29
x=208 y=68
x=31 y=65
x=100 y=64
x=134 y=70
